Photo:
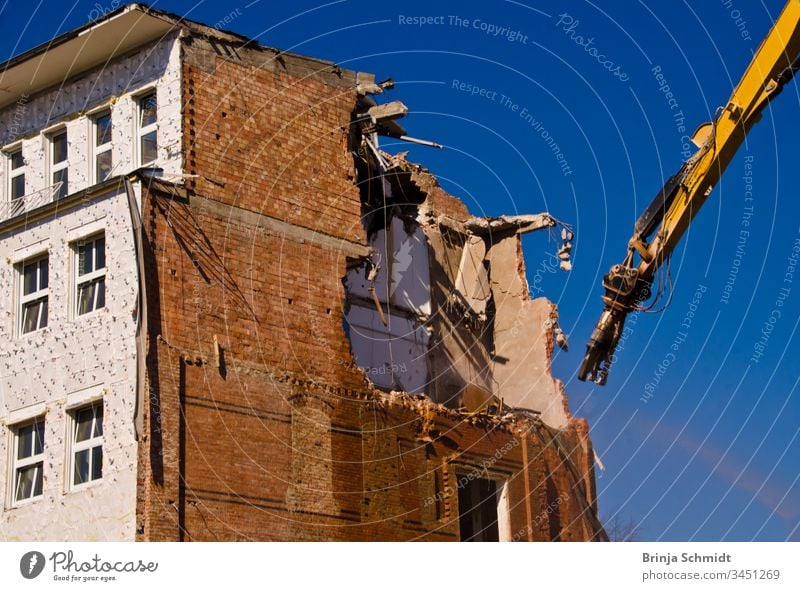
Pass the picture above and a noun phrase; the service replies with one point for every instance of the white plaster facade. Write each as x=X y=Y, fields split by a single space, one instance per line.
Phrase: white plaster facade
x=75 y=359
x=27 y=123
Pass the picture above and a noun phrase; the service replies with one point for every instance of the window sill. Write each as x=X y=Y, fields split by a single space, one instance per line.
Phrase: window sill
x=93 y=314
x=79 y=488
x=42 y=332
x=24 y=503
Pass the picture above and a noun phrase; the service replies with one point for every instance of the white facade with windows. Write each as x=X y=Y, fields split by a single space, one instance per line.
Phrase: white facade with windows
x=105 y=123
x=68 y=293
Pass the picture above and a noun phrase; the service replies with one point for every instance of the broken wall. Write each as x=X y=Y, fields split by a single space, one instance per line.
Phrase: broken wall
x=261 y=425
x=251 y=254
x=441 y=307
x=524 y=338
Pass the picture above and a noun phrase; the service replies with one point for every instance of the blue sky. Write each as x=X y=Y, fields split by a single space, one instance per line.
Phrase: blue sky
x=709 y=449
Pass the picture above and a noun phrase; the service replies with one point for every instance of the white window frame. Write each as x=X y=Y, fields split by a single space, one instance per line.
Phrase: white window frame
x=95 y=274
x=143 y=131
x=54 y=167
x=74 y=447
x=14 y=172
x=17 y=464
x=503 y=511
x=40 y=293
x=103 y=148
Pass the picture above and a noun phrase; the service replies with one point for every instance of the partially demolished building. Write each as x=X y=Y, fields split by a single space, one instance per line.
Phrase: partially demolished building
x=235 y=317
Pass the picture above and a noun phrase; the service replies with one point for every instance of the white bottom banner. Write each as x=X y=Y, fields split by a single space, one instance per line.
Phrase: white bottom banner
x=388 y=566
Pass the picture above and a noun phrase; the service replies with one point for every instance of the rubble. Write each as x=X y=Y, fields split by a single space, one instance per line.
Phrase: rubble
x=451 y=315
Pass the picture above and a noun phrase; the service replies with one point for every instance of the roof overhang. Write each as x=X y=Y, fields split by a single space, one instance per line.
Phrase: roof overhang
x=84 y=48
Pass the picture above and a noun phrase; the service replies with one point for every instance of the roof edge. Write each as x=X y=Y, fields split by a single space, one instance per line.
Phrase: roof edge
x=177 y=21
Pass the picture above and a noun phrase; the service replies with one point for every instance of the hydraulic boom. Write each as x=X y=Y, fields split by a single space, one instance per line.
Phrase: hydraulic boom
x=659 y=229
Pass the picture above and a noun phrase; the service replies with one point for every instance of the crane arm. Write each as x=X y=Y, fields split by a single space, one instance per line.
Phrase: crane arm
x=663 y=223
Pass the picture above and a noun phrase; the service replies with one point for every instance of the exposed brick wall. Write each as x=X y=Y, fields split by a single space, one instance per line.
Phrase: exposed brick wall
x=260 y=426
x=275 y=141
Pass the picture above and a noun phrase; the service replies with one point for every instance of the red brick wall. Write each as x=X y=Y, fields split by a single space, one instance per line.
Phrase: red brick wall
x=276 y=142
x=259 y=426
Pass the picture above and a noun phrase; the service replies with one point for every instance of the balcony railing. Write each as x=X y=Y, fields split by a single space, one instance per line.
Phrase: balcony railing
x=29 y=202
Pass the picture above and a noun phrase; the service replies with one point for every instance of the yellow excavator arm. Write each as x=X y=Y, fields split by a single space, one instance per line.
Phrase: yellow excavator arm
x=628 y=285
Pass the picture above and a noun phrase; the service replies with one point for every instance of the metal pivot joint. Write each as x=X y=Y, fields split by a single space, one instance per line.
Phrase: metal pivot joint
x=625 y=291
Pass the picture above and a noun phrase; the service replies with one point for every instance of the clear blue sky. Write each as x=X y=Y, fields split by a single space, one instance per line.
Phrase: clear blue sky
x=712 y=454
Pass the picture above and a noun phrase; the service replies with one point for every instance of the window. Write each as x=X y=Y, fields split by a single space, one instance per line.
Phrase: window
x=86 y=455
x=91 y=274
x=34 y=296
x=102 y=147
x=16 y=174
x=28 y=461
x=148 y=124
x=483 y=514
x=59 y=163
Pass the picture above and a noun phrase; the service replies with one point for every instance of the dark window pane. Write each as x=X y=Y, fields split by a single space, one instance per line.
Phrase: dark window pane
x=101 y=293
x=38 y=440
x=477 y=508
x=17 y=161
x=61 y=176
x=24 y=442
x=103 y=166
x=85 y=258
x=97 y=462
x=30 y=316
x=34 y=315
x=81 y=260
x=59 y=143
x=83 y=424
x=81 y=467
x=18 y=186
x=29 y=282
x=39 y=480
x=85 y=297
x=100 y=252
x=103 y=129
x=91 y=296
x=24 y=483
x=149 y=147
x=148 y=107
x=29 y=482
x=98 y=420
x=43 y=272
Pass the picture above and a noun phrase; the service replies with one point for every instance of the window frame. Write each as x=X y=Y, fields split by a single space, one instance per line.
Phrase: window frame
x=90 y=277
x=500 y=502
x=55 y=167
x=13 y=173
x=142 y=131
x=41 y=293
x=98 y=150
x=74 y=447
x=16 y=464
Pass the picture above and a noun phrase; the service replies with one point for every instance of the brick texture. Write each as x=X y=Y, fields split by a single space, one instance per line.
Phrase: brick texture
x=259 y=425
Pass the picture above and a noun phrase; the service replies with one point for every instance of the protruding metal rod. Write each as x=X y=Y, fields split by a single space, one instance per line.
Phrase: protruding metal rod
x=414 y=140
